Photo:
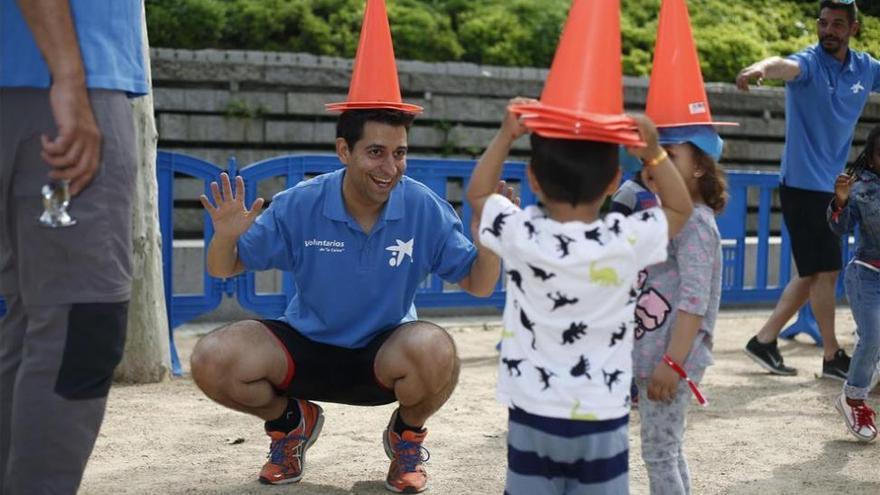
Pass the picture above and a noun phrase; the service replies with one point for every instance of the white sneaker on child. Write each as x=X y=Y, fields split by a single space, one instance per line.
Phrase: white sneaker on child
x=859 y=419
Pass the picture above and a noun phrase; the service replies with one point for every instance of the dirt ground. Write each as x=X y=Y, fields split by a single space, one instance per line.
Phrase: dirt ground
x=760 y=435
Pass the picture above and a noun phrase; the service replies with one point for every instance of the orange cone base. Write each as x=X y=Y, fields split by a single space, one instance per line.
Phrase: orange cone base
x=560 y=123
x=371 y=105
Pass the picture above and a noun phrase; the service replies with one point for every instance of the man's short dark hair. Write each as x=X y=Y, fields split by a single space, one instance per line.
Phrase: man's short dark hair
x=573 y=171
x=850 y=8
x=350 y=125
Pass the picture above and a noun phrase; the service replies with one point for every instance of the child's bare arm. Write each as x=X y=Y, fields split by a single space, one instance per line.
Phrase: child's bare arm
x=664 y=381
x=484 y=179
x=677 y=204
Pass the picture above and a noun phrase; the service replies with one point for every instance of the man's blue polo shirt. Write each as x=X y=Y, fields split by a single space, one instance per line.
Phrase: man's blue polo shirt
x=822 y=107
x=109 y=36
x=350 y=286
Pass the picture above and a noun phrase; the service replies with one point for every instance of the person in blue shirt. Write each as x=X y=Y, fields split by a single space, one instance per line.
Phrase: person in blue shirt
x=67 y=70
x=358 y=241
x=827 y=86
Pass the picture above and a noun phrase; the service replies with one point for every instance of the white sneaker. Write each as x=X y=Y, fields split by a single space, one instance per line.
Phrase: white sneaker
x=859 y=419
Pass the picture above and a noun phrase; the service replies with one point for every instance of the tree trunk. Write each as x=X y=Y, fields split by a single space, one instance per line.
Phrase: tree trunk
x=147 y=355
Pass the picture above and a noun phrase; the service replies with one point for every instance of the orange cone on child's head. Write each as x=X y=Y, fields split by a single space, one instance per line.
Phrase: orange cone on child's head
x=374 y=83
x=583 y=94
x=586 y=75
x=677 y=94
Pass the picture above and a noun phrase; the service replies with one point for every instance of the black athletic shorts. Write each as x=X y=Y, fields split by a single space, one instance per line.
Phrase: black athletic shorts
x=327 y=373
x=815 y=247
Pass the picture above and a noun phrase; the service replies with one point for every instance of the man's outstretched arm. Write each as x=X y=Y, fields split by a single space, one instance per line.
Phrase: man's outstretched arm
x=777 y=68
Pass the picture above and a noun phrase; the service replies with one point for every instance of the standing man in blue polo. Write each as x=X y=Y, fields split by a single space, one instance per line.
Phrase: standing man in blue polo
x=66 y=71
x=826 y=88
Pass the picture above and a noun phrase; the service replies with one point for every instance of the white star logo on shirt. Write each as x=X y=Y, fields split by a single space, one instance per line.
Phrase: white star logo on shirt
x=401 y=251
x=857 y=87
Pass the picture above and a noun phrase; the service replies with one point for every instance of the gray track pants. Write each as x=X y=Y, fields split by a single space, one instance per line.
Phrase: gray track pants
x=66 y=291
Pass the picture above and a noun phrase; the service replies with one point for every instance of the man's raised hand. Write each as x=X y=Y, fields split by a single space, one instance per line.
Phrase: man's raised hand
x=230 y=216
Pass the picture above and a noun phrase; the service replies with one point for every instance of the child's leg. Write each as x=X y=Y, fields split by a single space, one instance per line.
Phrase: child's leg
x=560 y=456
x=863 y=293
x=662 y=434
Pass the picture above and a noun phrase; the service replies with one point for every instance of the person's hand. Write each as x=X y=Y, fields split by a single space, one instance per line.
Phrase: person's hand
x=513 y=125
x=648 y=132
x=753 y=72
x=74 y=154
x=503 y=189
x=230 y=217
x=842 y=186
x=664 y=383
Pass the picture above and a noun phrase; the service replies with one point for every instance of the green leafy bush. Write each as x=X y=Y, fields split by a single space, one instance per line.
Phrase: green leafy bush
x=730 y=33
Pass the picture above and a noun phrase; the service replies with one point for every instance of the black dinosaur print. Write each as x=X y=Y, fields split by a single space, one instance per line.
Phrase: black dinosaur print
x=633 y=296
x=527 y=324
x=512 y=365
x=564 y=241
x=619 y=335
x=541 y=274
x=594 y=235
x=531 y=228
x=545 y=376
x=516 y=278
x=575 y=332
x=582 y=368
x=647 y=215
x=560 y=300
x=612 y=378
x=497 y=224
x=615 y=227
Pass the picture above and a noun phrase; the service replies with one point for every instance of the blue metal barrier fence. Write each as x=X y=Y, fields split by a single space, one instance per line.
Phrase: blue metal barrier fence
x=739 y=265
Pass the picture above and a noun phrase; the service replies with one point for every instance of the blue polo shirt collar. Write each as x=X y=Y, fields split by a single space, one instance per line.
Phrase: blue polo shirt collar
x=334 y=205
x=829 y=60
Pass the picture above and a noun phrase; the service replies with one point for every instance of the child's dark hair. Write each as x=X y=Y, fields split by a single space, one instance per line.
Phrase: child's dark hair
x=350 y=125
x=713 y=183
x=573 y=171
x=865 y=158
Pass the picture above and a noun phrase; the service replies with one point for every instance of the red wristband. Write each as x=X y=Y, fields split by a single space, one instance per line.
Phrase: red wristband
x=683 y=374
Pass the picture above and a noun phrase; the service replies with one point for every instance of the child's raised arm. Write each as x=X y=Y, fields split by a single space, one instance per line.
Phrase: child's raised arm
x=676 y=199
x=484 y=180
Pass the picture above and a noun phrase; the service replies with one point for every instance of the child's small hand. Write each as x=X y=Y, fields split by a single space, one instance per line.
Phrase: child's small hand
x=649 y=135
x=512 y=125
x=664 y=383
x=841 y=189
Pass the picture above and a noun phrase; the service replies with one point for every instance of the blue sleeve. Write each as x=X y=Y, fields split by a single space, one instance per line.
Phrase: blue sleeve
x=842 y=222
x=267 y=244
x=456 y=253
x=805 y=60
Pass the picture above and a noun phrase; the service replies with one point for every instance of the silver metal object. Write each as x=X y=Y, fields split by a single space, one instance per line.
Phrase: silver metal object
x=56 y=200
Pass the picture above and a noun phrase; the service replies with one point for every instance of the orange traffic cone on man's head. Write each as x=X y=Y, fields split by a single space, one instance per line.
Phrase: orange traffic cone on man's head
x=677 y=94
x=583 y=95
x=374 y=82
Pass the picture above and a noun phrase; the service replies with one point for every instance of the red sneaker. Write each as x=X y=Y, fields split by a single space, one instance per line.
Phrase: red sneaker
x=287 y=452
x=407 y=472
x=859 y=419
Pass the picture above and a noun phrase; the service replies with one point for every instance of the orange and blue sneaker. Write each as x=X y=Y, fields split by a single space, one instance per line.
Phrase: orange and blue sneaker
x=287 y=452
x=407 y=472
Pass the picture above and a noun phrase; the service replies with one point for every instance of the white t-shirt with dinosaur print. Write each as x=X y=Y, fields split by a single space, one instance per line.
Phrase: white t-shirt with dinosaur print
x=567 y=345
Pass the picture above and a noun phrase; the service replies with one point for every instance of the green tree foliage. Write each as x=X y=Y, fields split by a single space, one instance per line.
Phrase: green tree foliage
x=730 y=34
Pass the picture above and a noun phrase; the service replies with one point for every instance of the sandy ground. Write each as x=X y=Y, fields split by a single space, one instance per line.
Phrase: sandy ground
x=761 y=434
